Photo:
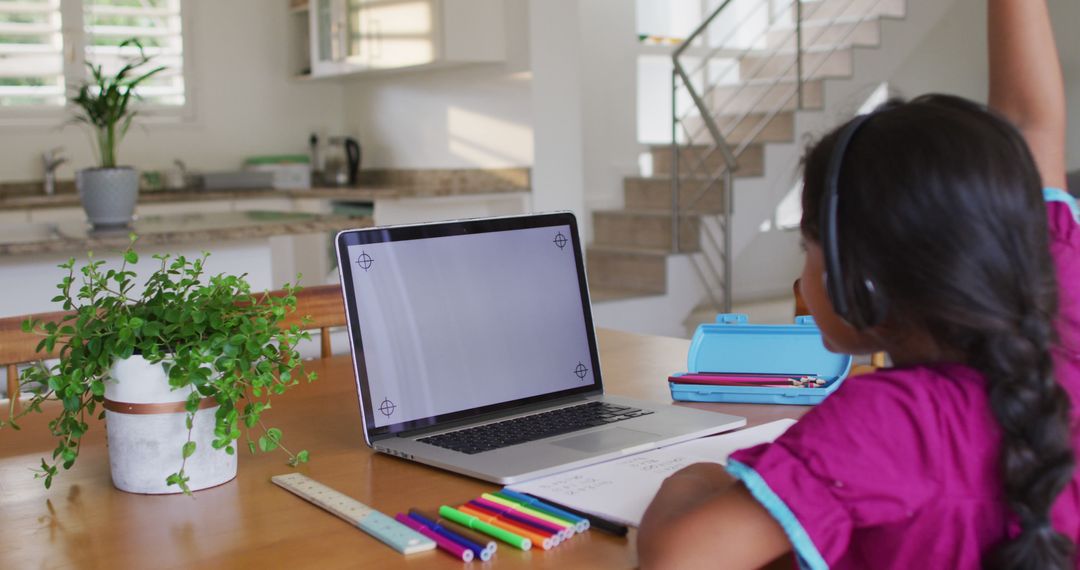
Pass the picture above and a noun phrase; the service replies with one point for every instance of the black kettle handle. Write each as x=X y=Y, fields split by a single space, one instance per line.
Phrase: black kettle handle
x=352 y=152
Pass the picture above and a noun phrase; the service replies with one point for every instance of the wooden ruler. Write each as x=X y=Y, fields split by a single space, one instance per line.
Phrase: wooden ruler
x=394 y=534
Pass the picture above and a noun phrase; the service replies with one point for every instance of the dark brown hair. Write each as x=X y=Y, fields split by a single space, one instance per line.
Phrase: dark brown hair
x=941 y=206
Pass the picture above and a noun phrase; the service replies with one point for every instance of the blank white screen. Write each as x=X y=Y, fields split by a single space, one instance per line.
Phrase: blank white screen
x=459 y=322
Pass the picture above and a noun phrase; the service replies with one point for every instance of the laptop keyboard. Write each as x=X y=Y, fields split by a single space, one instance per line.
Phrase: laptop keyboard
x=534 y=427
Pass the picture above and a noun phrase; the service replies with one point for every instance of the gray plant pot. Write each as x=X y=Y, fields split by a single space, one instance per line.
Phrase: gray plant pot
x=108 y=195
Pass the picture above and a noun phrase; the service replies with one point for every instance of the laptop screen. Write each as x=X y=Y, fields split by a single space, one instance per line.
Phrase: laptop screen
x=451 y=320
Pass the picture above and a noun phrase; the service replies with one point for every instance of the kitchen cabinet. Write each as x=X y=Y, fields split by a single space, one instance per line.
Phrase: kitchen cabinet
x=358 y=36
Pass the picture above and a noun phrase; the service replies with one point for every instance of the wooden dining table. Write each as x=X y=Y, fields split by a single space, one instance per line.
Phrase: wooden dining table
x=85 y=522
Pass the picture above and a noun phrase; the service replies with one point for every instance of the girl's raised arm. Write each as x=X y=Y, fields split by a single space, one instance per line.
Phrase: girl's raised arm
x=1025 y=80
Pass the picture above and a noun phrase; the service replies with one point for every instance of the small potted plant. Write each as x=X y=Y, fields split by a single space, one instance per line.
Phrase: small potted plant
x=108 y=193
x=179 y=371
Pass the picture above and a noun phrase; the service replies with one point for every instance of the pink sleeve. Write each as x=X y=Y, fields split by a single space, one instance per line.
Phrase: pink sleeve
x=1065 y=249
x=861 y=458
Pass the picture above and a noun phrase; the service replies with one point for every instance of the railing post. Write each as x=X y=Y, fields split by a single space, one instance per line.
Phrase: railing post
x=729 y=210
x=674 y=160
x=799 y=52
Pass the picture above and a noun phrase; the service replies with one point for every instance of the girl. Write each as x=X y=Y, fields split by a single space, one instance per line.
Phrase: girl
x=927 y=236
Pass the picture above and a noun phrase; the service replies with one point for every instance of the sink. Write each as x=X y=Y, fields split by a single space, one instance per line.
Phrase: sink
x=25 y=232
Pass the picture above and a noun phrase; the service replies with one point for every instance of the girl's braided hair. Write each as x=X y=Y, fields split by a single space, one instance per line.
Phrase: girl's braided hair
x=941 y=205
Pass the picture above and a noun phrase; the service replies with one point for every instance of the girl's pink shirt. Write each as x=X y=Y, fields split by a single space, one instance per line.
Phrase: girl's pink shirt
x=899 y=468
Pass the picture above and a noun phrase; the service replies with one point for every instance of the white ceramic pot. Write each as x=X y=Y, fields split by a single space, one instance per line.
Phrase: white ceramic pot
x=108 y=195
x=144 y=418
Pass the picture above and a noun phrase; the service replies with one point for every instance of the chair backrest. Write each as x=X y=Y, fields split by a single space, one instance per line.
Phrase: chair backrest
x=322 y=305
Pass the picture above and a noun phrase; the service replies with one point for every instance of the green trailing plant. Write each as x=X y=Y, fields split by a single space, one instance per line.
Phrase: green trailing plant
x=103 y=103
x=212 y=335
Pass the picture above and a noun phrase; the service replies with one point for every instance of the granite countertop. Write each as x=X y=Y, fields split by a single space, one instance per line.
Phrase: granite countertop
x=72 y=237
x=373 y=185
x=18 y=201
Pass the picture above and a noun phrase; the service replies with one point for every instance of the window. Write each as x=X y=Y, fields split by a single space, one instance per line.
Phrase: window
x=31 y=53
x=45 y=45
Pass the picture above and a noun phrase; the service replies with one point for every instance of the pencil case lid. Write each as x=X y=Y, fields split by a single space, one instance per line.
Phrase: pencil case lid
x=732 y=344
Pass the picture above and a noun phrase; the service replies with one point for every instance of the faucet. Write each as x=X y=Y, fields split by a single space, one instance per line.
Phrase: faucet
x=51 y=160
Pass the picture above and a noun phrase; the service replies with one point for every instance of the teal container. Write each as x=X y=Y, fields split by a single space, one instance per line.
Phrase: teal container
x=733 y=345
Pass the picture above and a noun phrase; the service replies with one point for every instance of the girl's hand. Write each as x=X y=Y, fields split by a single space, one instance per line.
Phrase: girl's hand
x=702 y=518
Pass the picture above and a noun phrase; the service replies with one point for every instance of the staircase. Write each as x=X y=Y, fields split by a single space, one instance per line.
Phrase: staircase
x=737 y=99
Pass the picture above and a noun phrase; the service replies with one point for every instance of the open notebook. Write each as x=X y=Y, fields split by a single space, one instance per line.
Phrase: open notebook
x=622 y=489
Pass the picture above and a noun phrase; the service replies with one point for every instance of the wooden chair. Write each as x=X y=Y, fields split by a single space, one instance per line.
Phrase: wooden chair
x=324 y=308
x=321 y=304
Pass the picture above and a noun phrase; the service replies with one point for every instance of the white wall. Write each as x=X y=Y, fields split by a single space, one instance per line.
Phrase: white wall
x=558 y=108
x=244 y=102
x=563 y=103
x=609 y=99
x=952 y=59
x=475 y=116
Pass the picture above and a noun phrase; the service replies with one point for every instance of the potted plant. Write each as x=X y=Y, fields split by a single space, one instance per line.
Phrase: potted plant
x=108 y=193
x=179 y=371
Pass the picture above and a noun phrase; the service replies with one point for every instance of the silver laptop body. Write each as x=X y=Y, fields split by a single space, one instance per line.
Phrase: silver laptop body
x=459 y=324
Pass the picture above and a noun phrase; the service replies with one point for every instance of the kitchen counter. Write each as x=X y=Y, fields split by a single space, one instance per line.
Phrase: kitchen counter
x=14 y=201
x=374 y=185
x=167 y=230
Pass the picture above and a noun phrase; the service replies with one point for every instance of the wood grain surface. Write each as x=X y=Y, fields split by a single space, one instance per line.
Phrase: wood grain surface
x=83 y=522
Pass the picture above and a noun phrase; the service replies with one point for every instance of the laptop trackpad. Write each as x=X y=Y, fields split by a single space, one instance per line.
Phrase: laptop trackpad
x=606 y=440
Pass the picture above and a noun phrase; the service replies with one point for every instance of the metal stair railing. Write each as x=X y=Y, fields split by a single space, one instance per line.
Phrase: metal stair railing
x=699 y=110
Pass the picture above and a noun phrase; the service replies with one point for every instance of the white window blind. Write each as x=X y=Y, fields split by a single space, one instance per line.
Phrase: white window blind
x=157 y=26
x=31 y=53
x=43 y=47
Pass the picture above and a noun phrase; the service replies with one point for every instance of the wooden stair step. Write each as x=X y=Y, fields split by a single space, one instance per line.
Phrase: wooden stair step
x=641 y=271
x=765 y=95
x=827 y=34
x=696 y=160
x=605 y=294
x=830 y=10
x=816 y=65
x=648 y=229
x=740 y=127
x=654 y=193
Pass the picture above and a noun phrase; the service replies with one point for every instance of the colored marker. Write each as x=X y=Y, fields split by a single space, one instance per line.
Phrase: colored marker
x=555 y=536
x=582 y=523
x=515 y=540
x=529 y=510
x=483 y=540
x=595 y=521
x=742 y=380
x=545 y=541
x=480 y=552
x=444 y=543
x=525 y=518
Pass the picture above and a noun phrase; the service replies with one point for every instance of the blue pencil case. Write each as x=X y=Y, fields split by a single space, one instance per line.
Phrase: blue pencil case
x=732 y=345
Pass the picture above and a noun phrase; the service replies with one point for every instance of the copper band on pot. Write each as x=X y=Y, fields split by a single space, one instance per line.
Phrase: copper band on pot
x=161 y=408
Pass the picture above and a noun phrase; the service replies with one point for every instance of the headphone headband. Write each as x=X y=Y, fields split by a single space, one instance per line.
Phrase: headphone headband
x=830 y=239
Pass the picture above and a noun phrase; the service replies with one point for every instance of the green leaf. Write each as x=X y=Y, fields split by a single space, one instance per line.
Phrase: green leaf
x=267 y=444
x=251 y=447
x=130 y=256
x=274 y=434
x=189 y=449
x=302 y=457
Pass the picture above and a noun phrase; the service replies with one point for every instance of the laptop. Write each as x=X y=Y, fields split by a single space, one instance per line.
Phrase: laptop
x=474 y=351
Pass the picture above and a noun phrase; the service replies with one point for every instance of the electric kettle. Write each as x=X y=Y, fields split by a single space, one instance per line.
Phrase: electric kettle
x=342 y=161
